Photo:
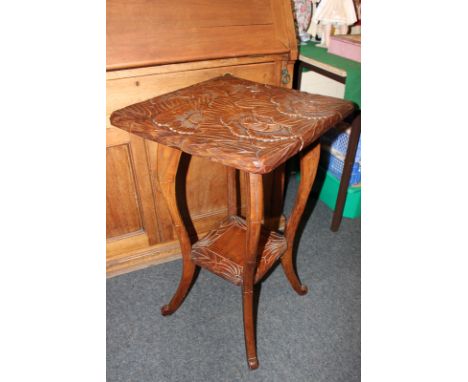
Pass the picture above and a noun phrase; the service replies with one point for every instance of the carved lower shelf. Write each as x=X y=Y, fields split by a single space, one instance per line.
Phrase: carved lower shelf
x=222 y=250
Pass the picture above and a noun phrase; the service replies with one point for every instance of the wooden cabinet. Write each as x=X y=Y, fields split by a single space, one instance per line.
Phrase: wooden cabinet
x=139 y=229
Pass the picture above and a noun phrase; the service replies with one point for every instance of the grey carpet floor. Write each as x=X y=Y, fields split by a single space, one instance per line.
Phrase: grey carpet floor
x=315 y=337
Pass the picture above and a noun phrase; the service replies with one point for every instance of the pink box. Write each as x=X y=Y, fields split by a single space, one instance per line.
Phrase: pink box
x=347 y=46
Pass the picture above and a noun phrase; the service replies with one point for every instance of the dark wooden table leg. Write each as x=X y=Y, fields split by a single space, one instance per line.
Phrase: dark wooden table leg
x=347 y=169
x=254 y=224
x=309 y=165
x=168 y=162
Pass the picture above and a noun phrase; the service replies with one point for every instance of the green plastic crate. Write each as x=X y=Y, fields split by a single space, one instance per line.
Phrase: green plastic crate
x=329 y=186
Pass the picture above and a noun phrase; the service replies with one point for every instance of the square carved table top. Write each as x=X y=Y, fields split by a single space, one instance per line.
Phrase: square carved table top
x=243 y=124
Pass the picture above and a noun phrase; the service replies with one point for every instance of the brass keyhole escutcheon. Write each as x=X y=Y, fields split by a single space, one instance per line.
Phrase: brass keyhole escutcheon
x=285 y=76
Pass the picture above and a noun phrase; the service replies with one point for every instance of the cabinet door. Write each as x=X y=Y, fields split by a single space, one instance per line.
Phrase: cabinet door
x=130 y=217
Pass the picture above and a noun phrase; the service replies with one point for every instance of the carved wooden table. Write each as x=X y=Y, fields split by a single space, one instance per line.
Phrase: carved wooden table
x=249 y=127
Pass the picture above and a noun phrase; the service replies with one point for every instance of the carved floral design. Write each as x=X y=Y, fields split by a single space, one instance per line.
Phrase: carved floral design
x=183 y=122
x=239 y=123
x=206 y=253
x=297 y=105
x=258 y=127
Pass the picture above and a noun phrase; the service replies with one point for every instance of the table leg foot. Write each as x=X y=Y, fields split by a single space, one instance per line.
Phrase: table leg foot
x=182 y=290
x=253 y=363
x=249 y=329
x=291 y=275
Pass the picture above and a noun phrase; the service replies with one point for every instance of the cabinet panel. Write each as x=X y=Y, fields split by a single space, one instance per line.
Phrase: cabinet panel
x=142 y=33
x=211 y=194
x=123 y=212
x=129 y=195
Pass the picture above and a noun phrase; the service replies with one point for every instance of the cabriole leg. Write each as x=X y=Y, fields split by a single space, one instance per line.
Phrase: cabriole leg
x=309 y=165
x=167 y=164
x=254 y=223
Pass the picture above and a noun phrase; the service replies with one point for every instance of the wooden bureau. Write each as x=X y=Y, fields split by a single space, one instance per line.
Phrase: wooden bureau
x=158 y=46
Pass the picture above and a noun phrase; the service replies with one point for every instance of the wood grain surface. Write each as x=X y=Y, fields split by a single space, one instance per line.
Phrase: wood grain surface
x=142 y=33
x=243 y=124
